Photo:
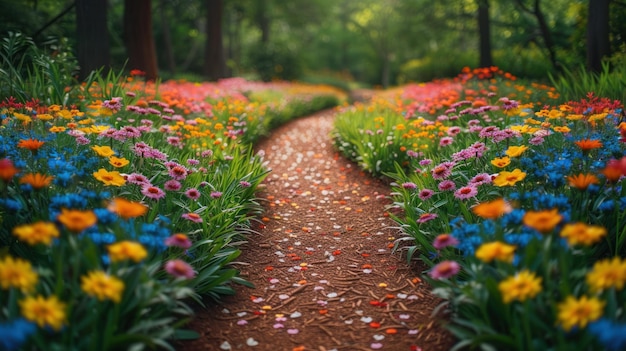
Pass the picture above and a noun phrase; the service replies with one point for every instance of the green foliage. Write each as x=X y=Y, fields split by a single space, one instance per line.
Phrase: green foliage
x=579 y=82
x=29 y=72
x=273 y=61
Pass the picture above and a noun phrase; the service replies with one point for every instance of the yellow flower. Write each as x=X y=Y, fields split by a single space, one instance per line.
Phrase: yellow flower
x=606 y=274
x=44 y=117
x=76 y=220
x=581 y=233
x=36 y=233
x=579 y=312
x=501 y=162
x=505 y=178
x=496 y=250
x=103 y=151
x=515 y=151
x=56 y=129
x=127 y=209
x=22 y=117
x=109 y=178
x=520 y=287
x=562 y=129
x=46 y=312
x=118 y=162
x=17 y=273
x=542 y=221
x=127 y=250
x=492 y=209
x=102 y=286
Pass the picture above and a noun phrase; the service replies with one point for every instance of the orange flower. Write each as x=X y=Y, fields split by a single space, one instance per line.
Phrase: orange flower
x=582 y=181
x=588 y=144
x=542 y=221
x=36 y=180
x=76 y=220
x=30 y=144
x=127 y=209
x=492 y=209
x=7 y=170
x=612 y=172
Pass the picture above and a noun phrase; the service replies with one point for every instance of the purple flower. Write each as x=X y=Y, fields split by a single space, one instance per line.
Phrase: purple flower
x=425 y=194
x=216 y=194
x=446 y=185
x=426 y=217
x=193 y=193
x=153 y=192
x=444 y=240
x=466 y=192
x=409 y=186
x=445 y=270
x=172 y=185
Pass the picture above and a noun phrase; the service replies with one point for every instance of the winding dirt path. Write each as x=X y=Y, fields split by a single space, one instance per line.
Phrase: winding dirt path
x=324 y=273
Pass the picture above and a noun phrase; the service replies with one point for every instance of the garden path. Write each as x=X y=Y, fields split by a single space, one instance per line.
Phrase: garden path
x=324 y=272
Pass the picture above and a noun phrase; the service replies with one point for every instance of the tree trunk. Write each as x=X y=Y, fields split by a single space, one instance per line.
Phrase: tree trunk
x=484 y=34
x=598 y=44
x=263 y=21
x=138 y=37
x=93 y=36
x=545 y=33
x=214 y=62
x=167 y=38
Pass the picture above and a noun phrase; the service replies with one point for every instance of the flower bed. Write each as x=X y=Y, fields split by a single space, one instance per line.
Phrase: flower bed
x=514 y=201
x=119 y=211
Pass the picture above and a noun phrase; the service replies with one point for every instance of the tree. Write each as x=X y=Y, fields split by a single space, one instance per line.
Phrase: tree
x=214 y=61
x=544 y=29
x=598 y=44
x=484 y=34
x=138 y=37
x=92 y=36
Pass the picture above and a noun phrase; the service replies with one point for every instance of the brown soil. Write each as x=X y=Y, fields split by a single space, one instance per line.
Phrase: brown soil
x=325 y=274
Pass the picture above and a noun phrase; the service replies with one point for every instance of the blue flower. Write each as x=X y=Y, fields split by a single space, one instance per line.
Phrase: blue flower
x=105 y=216
x=13 y=334
x=611 y=335
x=606 y=205
x=11 y=205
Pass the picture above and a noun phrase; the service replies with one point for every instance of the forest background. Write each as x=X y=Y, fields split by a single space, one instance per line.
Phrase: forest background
x=340 y=42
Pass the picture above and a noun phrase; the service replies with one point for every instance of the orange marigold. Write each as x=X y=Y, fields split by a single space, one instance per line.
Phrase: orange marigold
x=36 y=180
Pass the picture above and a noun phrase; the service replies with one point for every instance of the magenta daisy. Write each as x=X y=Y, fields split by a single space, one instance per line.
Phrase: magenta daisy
x=178 y=172
x=178 y=240
x=426 y=217
x=446 y=141
x=172 y=185
x=138 y=179
x=425 y=162
x=153 y=192
x=179 y=269
x=480 y=179
x=192 y=193
x=446 y=185
x=192 y=216
x=425 y=194
x=444 y=240
x=452 y=131
x=466 y=192
x=193 y=162
x=445 y=270
x=245 y=184
x=409 y=186
x=216 y=194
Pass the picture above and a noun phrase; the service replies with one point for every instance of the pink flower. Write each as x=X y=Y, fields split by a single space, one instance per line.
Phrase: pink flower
x=178 y=172
x=452 y=131
x=245 y=184
x=444 y=240
x=194 y=217
x=178 y=240
x=446 y=185
x=426 y=194
x=216 y=194
x=153 y=192
x=425 y=162
x=192 y=193
x=426 y=217
x=445 y=141
x=466 y=192
x=193 y=162
x=409 y=186
x=179 y=269
x=480 y=179
x=138 y=179
x=445 y=270
x=172 y=185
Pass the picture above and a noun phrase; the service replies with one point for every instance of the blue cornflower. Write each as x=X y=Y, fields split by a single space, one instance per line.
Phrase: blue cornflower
x=63 y=179
x=100 y=238
x=105 y=216
x=11 y=205
x=14 y=333
x=513 y=218
x=611 y=335
x=606 y=205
